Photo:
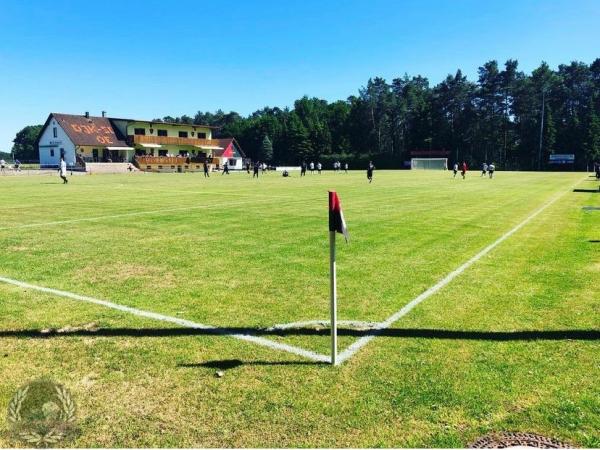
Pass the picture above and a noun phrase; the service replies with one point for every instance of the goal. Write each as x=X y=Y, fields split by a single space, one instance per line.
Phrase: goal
x=429 y=163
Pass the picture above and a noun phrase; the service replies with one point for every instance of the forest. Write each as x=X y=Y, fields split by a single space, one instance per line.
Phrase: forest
x=513 y=119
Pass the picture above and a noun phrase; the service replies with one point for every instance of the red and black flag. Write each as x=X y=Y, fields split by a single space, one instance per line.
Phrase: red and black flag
x=336 y=216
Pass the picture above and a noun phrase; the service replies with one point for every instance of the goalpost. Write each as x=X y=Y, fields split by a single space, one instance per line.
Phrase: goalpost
x=429 y=163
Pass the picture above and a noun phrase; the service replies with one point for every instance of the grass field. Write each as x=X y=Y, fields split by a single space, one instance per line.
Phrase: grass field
x=246 y=254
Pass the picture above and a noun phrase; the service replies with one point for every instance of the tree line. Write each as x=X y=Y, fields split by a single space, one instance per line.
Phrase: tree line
x=513 y=119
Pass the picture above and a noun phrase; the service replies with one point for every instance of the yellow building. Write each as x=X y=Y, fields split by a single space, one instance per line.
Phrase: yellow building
x=151 y=145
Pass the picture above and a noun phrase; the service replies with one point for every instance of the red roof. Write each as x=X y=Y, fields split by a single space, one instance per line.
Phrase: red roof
x=230 y=146
x=89 y=131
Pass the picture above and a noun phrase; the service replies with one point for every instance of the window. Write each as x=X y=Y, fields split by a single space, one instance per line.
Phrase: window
x=183 y=134
x=172 y=167
x=148 y=167
x=51 y=152
x=232 y=162
x=162 y=132
x=55 y=132
x=201 y=135
x=139 y=131
x=160 y=167
x=62 y=152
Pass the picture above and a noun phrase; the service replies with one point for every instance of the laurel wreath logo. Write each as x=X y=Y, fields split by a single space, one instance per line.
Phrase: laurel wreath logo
x=56 y=433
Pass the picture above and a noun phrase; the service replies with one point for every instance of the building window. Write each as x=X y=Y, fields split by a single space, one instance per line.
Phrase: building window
x=162 y=132
x=139 y=131
x=55 y=132
x=52 y=152
x=183 y=134
x=172 y=167
x=148 y=167
x=201 y=135
x=62 y=152
x=232 y=162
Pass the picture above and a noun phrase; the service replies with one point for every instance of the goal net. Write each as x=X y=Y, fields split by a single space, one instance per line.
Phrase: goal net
x=429 y=163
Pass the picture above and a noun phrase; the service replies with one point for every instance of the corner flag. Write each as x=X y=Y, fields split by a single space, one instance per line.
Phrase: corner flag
x=336 y=216
x=337 y=224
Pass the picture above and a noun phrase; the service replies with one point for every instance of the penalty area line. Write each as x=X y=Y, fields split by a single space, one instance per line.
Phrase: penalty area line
x=182 y=322
x=360 y=343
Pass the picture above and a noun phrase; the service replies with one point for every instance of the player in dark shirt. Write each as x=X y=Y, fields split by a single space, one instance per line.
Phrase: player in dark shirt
x=370 y=168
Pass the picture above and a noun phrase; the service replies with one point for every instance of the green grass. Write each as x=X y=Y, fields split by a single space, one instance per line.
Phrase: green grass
x=237 y=252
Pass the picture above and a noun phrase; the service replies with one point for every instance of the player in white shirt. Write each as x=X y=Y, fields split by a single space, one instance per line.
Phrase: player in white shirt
x=455 y=169
x=2 y=165
x=491 y=169
x=63 y=170
x=484 y=169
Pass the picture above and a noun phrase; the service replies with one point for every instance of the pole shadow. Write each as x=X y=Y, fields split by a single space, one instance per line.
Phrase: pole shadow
x=591 y=191
x=228 y=364
x=426 y=333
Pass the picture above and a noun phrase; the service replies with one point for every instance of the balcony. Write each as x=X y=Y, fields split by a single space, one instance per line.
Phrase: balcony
x=167 y=140
x=174 y=160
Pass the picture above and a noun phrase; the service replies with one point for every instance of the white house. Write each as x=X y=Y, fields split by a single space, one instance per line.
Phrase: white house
x=71 y=136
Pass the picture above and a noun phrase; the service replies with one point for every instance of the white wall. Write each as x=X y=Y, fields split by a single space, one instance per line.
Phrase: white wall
x=48 y=142
x=237 y=166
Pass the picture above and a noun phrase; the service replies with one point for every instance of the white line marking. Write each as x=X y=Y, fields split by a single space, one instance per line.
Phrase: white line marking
x=183 y=322
x=360 y=343
x=356 y=324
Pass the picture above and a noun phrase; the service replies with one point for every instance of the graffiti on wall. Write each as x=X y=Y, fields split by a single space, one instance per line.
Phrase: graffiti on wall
x=104 y=134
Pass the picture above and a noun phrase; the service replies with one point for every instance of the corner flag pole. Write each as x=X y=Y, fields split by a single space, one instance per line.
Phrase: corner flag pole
x=333 y=297
x=337 y=224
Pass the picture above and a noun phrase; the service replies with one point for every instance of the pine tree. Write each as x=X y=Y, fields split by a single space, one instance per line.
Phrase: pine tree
x=591 y=143
x=266 y=149
x=549 y=133
x=299 y=142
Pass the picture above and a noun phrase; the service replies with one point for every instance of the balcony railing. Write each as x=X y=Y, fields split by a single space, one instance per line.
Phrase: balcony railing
x=167 y=140
x=174 y=160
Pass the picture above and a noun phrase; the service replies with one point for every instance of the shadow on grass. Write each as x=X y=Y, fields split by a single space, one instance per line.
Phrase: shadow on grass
x=227 y=364
x=526 y=335
x=594 y=191
x=594 y=241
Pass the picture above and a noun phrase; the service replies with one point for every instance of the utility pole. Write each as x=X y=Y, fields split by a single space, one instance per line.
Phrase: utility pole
x=541 y=129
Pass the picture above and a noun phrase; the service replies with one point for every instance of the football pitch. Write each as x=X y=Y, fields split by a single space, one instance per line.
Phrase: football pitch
x=133 y=290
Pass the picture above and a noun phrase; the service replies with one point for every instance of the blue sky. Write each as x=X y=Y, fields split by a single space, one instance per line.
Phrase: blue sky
x=147 y=59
